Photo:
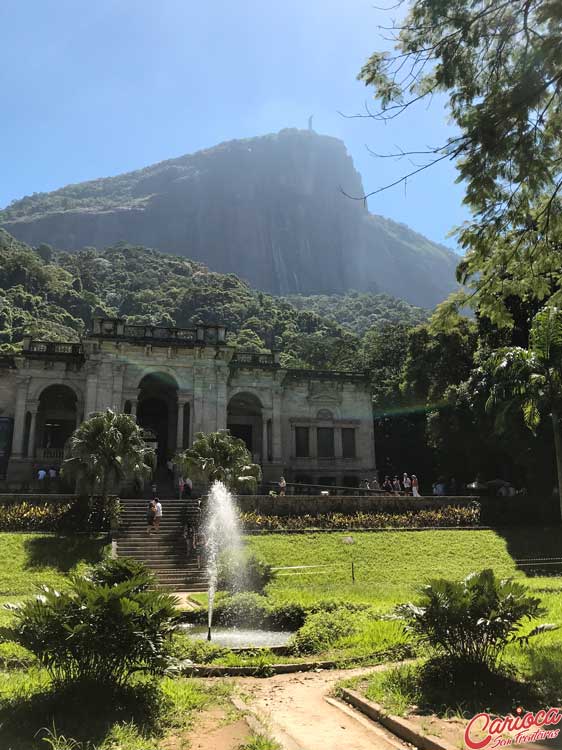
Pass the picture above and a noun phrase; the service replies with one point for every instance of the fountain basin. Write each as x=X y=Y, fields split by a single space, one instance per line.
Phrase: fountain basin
x=240 y=638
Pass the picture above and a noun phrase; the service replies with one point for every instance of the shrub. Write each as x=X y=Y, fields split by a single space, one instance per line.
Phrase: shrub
x=115 y=570
x=82 y=514
x=96 y=632
x=196 y=650
x=242 y=570
x=473 y=620
x=26 y=516
x=322 y=630
x=287 y=616
x=246 y=609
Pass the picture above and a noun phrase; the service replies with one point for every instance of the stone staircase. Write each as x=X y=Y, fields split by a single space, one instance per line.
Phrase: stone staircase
x=164 y=552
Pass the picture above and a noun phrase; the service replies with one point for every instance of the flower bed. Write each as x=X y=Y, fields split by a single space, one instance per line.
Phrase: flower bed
x=78 y=514
x=448 y=516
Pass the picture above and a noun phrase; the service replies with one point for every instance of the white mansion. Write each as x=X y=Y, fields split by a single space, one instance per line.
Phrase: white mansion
x=311 y=426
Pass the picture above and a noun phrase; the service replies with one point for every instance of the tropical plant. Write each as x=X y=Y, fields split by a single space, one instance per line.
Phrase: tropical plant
x=96 y=631
x=107 y=447
x=532 y=378
x=472 y=621
x=218 y=456
x=115 y=570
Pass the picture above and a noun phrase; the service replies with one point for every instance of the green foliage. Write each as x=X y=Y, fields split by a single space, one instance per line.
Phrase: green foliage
x=323 y=630
x=506 y=143
x=360 y=312
x=449 y=515
x=246 y=609
x=93 y=632
x=107 y=446
x=26 y=516
x=115 y=570
x=219 y=457
x=242 y=570
x=473 y=620
x=531 y=378
x=61 y=292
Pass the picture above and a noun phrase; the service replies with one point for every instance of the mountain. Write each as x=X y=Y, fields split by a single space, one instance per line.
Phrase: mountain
x=271 y=209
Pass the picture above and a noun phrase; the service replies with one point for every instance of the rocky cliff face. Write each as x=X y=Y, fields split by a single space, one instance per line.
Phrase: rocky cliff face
x=270 y=209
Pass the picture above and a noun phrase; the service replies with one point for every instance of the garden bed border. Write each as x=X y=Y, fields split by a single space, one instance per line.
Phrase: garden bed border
x=399 y=726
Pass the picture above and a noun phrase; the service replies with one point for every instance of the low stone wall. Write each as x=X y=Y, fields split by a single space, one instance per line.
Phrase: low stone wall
x=314 y=505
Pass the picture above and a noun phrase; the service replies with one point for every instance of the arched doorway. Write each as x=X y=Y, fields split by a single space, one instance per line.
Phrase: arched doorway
x=157 y=411
x=57 y=418
x=244 y=420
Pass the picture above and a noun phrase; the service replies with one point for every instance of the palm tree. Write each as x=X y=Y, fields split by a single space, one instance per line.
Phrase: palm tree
x=532 y=378
x=107 y=446
x=218 y=456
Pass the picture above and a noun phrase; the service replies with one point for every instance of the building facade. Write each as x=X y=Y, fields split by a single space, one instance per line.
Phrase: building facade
x=310 y=426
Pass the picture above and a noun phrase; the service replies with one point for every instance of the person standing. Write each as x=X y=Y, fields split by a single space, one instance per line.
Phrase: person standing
x=157 y=513
x=188 y=487
x=170 y=467
x=41 y=474
x=406 y=483
x=150 y=513
x=387 y=484
x=415 y=486
x=282 y=486
x=181 y=486
x=396 y=486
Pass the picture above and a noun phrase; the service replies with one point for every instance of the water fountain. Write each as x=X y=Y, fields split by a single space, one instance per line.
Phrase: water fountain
x=222 y=530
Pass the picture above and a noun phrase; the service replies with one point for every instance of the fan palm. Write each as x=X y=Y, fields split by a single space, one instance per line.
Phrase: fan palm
x=107 y=447
x=218 y=456
x=532 y=378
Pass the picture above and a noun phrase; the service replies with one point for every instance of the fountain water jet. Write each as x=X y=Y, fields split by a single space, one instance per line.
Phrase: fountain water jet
x=222 y=530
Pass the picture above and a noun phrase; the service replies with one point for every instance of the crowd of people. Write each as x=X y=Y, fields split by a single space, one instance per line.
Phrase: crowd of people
x=407 y=485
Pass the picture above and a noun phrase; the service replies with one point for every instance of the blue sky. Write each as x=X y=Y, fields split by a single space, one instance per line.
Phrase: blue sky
x=92 y=89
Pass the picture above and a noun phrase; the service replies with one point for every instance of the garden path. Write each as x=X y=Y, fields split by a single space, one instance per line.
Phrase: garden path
x=295 y=709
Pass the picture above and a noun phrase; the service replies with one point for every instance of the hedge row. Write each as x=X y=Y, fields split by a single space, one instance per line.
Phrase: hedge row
x=448 y=516
x=78 y=515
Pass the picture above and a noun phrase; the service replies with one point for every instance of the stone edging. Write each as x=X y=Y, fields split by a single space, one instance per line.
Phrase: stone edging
x=268 y=670
x=399 y=726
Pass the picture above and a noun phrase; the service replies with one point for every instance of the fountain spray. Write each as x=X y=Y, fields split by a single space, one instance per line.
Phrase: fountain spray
x=222 y=530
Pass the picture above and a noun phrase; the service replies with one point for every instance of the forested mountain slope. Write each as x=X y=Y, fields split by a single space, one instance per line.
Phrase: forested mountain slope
x=54 y=295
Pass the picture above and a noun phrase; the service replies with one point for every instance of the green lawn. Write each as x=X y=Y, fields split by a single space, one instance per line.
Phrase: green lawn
x=390 y=565
x=29 y=560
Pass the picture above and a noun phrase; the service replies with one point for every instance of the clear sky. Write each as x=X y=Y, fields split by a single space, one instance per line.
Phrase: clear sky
x=94 y=88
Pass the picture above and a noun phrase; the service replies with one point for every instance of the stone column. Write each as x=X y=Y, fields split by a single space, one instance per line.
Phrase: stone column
x=277 y=445
x=33 y=408
x=266 y=417
x=134 y=405
x=179 y=432
x=222 y=398
x=91 y=394
x=19 y=417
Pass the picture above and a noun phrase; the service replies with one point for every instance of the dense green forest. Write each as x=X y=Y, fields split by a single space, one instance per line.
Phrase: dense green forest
x=53 y=294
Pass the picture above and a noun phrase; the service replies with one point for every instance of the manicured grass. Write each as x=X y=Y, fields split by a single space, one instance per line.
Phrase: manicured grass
x=29 y=560
x=389 y=565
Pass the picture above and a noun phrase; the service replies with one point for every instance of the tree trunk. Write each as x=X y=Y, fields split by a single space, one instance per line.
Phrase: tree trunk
x=558 y=453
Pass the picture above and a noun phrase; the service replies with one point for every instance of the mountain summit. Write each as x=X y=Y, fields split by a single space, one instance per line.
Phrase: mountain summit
x=270 y=209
